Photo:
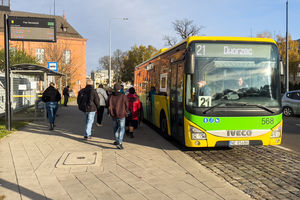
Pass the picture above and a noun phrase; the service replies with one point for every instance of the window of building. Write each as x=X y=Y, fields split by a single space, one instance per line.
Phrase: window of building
x=40 y=55
x=67 y=57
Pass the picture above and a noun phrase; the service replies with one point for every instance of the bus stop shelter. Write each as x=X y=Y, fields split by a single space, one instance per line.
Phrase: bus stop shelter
x=28 y=81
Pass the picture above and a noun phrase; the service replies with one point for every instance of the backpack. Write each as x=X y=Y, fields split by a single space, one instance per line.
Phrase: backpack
x=132 y=107
x=83 y=101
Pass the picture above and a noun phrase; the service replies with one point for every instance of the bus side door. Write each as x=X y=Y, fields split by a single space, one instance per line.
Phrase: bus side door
x=176 y=101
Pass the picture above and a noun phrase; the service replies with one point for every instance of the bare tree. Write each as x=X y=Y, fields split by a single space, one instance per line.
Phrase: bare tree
x=56 y=52
x=183 y=28
x=170 y=41
x=104 y=63
x=116 y=63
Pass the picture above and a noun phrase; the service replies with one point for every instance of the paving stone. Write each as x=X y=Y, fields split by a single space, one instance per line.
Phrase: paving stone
x=262 y=172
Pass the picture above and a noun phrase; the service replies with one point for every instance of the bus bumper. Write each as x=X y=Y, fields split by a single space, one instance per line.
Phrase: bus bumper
x=215 y=141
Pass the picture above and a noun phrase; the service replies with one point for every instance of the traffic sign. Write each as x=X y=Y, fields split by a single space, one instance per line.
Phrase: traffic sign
x=53 y=66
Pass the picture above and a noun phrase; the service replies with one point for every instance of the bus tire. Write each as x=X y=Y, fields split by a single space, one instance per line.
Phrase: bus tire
x=164 y=126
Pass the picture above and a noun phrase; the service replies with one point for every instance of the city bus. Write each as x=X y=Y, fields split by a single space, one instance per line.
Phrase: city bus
x=214 y=91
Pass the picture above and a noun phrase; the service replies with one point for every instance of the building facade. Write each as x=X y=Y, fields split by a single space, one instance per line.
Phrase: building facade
x=69 y=51
x=101 y=77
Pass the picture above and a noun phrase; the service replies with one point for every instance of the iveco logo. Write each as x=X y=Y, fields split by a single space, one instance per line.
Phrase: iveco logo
x=239 y=133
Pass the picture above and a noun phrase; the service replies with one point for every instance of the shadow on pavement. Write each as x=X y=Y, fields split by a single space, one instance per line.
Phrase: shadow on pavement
x=21 y=190
x=70 y=123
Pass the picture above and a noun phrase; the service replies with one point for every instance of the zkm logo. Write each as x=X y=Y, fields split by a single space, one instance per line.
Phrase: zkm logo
x=239 y=133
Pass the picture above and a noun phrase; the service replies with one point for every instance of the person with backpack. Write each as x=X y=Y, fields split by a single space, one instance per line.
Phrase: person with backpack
x=118 y=109
x=103 y=103
x=51 y=97
x=134 y=110
x=88 y=102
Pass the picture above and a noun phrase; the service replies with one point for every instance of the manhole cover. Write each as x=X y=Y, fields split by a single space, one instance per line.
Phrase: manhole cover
x=81 y=158
x=70 y=159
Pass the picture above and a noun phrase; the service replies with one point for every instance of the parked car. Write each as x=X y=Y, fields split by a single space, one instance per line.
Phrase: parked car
x=291 y=103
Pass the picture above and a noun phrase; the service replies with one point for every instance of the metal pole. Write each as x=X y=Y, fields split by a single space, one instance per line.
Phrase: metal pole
x=287 y=46
x=7 y=77
x=109 y=71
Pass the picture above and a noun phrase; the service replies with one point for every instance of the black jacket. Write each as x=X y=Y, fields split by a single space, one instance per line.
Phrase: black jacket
x=66 y=91
x=88 y=99
x=51 y=94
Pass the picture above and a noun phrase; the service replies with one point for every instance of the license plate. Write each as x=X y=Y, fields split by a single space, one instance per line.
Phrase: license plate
x=239 y=143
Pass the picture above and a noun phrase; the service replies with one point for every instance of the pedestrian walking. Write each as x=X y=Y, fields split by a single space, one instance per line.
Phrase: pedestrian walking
x=109 y=93
x=122 y=89
x=51 y=96
x=66 y=93
x=118 y=107
x=132 y=119
x=88 y=102
x=103 y=103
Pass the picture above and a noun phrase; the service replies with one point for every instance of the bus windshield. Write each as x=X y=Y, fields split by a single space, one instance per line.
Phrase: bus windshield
x=233 y=74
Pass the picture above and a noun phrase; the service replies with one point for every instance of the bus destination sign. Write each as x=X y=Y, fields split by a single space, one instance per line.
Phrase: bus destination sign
x=32 y=29
x=233 y=50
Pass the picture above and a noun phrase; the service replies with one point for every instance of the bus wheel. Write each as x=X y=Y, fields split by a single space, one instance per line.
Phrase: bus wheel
x=164 y=126
x=287 y=111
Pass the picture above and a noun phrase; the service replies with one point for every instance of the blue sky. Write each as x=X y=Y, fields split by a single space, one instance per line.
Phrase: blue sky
x=150 y=20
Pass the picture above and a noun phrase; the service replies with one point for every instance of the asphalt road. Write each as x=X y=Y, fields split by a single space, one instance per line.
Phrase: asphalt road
x=291 y=133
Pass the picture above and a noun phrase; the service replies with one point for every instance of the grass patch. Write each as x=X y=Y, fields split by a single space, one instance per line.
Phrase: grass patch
x=16 y=125
x=70 y=100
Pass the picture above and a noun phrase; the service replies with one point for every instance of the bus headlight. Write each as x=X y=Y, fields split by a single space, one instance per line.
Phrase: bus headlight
x=276 y=133
x=197 y=134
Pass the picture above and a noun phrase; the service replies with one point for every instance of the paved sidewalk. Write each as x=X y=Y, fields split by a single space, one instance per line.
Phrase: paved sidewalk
x=36 y=163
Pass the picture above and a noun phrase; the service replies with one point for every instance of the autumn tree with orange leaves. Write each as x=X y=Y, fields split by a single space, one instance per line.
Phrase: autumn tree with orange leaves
x=294 y=57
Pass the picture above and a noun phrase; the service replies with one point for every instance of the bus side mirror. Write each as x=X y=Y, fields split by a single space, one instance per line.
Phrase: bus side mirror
x=281 y=68
x=189 y=67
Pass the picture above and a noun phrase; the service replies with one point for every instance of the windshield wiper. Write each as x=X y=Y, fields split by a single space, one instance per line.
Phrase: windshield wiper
x=260 y=106
x=217 y=105
x=238 y=104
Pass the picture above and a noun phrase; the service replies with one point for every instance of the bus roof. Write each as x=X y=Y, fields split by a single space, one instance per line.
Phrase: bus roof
x=209 y=38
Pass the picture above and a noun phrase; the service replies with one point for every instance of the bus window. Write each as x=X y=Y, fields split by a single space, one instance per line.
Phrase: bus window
x=180 y=83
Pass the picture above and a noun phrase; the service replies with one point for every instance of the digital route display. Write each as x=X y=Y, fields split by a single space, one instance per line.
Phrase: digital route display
x=32 y=29
x=233 y=50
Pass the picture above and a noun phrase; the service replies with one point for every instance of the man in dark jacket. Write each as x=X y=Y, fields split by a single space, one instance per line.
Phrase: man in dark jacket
x=118 y=109
x=66 y=95
x=51 y=96
x=88 y=102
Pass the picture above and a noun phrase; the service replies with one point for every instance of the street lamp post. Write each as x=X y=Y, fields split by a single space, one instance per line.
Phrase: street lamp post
x=109 y=71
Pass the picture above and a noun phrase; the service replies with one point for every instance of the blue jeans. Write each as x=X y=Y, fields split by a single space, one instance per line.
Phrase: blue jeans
x=51 y=108
x=119 y=129
x=89 y=120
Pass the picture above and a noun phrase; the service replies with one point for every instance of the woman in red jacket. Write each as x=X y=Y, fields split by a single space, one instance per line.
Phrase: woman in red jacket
x=134 y=105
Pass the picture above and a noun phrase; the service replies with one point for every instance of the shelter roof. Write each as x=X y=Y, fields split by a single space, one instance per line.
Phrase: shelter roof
x=32 y=68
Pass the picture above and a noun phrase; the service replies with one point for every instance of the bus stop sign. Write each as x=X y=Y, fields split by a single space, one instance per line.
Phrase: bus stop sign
x=32 y=29
x=53 y=66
